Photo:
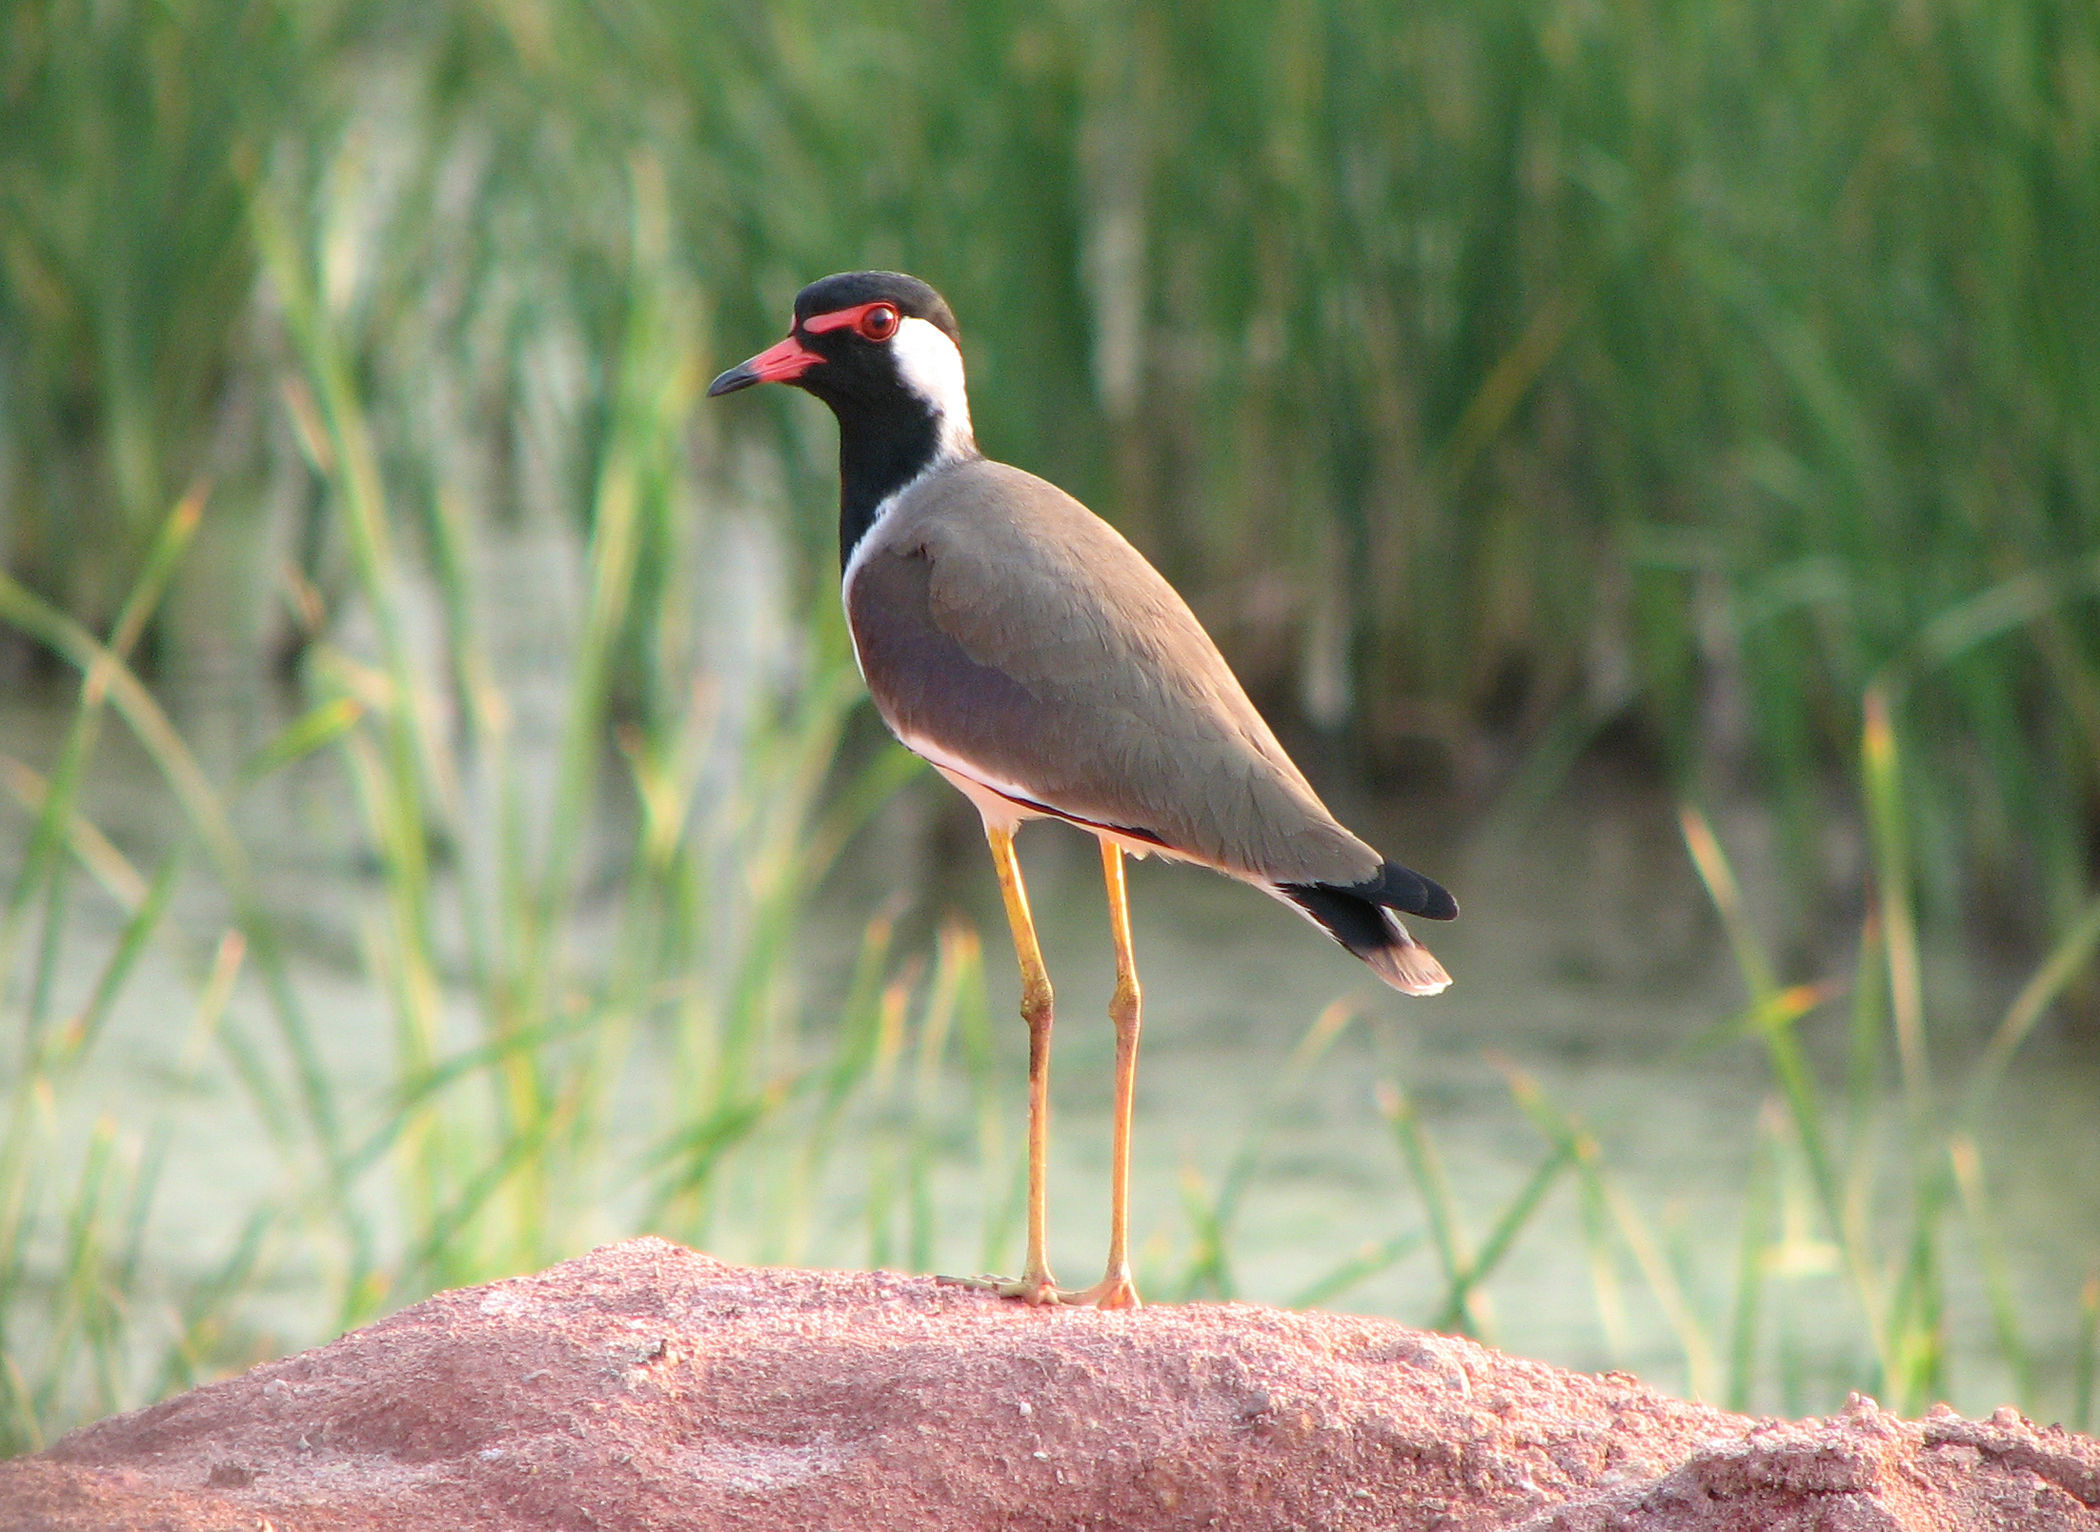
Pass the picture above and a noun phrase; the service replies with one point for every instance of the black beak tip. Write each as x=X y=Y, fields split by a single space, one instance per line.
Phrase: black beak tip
x=739 y=376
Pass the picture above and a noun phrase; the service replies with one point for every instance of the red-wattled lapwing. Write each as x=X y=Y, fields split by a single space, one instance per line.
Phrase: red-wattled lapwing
x=1017 y=642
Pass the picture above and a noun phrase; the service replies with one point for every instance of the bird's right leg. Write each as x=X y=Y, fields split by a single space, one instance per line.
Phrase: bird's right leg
x=1035 y=1284
x=1115 y=1290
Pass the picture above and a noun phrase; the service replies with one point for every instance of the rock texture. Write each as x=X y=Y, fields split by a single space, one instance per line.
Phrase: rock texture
x=645 y=1387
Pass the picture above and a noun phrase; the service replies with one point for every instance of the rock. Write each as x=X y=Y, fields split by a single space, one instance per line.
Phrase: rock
x=644 y=1386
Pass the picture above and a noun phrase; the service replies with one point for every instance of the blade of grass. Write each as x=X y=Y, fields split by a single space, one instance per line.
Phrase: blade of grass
x=313 y=730
x=1797 y=1085
x=1881 y=774
x=1997 y=1276
x=207 y=817
x=1702 y=1369
x=2066 y=960
x=2085 y=1357
x=1750 y=1261
x=1208 y=1269
x=1516 y=1213
x=1446 y=1233
x=1212 y=1215
x=1358 y=1269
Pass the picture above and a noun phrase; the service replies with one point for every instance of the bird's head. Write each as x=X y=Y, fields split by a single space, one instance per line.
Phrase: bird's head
x=879 y=347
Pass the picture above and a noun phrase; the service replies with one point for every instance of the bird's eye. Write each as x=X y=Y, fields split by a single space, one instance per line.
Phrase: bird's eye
x=879 y=322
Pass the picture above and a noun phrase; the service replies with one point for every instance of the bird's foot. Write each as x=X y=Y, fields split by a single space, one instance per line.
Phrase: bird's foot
x=1114 y=1291
x=1034 y=1288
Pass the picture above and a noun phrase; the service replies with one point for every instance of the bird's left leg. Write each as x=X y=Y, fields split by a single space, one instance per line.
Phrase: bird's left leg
x=1035 y=1284
x=1115 y=1290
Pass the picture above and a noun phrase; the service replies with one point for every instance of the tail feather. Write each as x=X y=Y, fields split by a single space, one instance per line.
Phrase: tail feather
x=1405 y=890
x=1360 y=917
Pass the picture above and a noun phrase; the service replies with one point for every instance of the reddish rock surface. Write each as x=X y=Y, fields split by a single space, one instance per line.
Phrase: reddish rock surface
x=645 y=1387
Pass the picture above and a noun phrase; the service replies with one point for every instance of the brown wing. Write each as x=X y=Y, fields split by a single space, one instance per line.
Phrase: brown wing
x=1007 y=628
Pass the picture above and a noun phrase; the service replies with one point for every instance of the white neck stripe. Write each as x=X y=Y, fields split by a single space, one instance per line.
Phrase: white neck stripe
x=931 y=367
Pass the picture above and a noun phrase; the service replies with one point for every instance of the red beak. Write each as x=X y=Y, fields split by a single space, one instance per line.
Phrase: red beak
x=776 y=364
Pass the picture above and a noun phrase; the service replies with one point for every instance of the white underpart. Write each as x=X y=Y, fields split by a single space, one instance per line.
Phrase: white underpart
x=1006 y=809
x=1004 y=805
x=998 y=811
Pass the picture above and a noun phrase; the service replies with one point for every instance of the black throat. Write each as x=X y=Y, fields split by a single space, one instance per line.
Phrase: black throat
x=883 y=446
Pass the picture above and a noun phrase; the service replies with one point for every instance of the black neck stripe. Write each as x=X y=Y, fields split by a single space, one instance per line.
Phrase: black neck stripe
x=882 y=447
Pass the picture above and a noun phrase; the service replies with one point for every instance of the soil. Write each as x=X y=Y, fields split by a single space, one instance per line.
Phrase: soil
x=645 y=1386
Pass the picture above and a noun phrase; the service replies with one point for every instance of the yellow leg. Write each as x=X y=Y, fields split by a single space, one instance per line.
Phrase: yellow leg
x=1115 y=1290
x=1035 y=1284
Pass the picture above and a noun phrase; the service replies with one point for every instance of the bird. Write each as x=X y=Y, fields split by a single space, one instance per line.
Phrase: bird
x=1032 y=655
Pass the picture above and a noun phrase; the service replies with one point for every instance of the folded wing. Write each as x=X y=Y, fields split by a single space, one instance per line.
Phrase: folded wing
x=1016 y=637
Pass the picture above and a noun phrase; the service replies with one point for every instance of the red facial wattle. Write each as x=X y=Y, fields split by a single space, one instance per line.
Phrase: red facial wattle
x=790 y=359
x=875 y=321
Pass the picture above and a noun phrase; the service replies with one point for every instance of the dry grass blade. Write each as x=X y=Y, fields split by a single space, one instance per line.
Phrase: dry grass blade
x=1887 y=816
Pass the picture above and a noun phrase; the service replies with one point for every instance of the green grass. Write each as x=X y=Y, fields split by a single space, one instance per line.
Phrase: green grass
x=562 y=1067
x=1495 y=376
x=1492 y=374
x=656 y=1089
x=1861 y=1221
x=552 y=1081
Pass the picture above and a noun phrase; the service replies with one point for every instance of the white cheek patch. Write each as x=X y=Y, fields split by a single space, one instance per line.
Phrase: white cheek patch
x=929 y=365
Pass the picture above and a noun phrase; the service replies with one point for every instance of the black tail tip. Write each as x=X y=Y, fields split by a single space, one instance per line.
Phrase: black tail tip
x=1370 y=931
x=1404 y=889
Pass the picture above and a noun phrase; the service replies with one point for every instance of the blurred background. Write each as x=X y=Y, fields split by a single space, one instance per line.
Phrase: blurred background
x=1644 y=456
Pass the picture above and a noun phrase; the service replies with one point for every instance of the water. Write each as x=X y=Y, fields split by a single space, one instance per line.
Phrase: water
x=1586 y=960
